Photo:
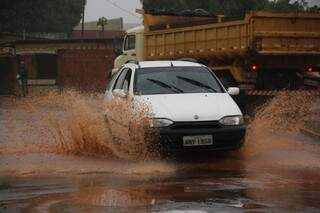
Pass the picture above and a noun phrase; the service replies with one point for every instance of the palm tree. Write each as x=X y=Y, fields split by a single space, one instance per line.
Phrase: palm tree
x=102 y=22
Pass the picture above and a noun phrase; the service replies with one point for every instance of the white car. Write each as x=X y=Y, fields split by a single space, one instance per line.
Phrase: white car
x=191 y=108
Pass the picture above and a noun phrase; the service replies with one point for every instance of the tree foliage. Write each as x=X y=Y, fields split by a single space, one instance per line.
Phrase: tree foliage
x=102 y=22
x=229 y=7
x=39 y=15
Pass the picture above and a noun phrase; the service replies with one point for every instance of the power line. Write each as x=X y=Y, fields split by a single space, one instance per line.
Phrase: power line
x=123 y=9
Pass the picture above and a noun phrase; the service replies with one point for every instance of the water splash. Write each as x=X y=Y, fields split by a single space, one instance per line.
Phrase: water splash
x=274 y=137
x=75 y=123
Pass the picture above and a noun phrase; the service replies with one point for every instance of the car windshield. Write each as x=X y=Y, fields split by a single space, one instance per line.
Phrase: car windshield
x=173 y=80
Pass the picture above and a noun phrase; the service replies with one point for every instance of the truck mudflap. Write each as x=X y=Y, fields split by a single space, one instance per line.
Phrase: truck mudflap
x=275 y=92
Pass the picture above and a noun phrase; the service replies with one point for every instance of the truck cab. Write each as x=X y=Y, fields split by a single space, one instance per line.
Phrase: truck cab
x=132 y=49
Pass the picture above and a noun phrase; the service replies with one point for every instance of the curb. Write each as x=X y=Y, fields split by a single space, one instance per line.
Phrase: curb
x=310 y=133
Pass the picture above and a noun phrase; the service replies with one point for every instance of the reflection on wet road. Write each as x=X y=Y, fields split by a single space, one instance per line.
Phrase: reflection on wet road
x=224 y=186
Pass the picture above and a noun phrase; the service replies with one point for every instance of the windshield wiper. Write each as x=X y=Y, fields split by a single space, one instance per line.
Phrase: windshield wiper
x=164 y=85
x=197 y=83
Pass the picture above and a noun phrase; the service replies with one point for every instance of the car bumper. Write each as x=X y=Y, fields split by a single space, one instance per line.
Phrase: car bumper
x=224 y=138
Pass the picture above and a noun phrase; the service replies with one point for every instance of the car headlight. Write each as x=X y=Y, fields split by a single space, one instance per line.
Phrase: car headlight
x=232 y=120
x=160 y=122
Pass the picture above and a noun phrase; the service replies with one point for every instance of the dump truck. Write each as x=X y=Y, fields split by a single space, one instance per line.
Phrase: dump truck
x=260 y=51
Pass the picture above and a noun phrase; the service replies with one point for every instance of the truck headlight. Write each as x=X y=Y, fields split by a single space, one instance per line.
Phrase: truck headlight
x=232 y=120
x=160 y=122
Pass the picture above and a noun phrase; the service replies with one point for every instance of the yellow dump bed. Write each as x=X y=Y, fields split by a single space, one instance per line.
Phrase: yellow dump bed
x=264 y=33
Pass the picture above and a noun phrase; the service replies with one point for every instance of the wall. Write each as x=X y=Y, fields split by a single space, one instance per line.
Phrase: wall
x=8 y=71
x=115 y=34
x=40 y=66
x=46 y=66
x=85 y=70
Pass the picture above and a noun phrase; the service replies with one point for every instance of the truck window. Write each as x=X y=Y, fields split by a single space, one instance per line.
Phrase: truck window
x=130 y=42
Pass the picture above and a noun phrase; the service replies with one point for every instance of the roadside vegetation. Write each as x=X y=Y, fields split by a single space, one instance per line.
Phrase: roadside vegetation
x=229 y=7
x=17 y=16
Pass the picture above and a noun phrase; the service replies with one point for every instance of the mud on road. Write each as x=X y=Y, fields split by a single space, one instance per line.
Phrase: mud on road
x=57 y=155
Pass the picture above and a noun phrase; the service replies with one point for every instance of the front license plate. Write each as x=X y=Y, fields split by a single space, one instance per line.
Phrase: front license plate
x=201 y=140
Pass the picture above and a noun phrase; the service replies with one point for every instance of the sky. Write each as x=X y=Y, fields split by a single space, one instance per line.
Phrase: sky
x=99 y=8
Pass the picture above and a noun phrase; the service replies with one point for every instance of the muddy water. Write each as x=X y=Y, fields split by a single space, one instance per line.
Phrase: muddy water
x=57 y=155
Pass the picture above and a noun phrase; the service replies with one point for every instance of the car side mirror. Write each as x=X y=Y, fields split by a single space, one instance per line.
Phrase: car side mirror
x=119 y=93
x=233 y=91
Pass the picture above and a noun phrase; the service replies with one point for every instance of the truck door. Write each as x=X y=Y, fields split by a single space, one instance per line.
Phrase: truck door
x=129 y=48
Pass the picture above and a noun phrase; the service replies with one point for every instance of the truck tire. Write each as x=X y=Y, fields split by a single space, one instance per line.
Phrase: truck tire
x=277 y=79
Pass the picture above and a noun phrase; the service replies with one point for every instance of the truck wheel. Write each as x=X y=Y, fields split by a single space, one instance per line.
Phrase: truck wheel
x=277 y=79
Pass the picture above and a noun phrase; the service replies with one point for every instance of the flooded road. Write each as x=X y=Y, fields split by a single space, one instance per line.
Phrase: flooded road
x=217 y=185
x=43 y=169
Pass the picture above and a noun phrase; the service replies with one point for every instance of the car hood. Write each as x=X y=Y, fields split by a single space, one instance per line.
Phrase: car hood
x=191 y=107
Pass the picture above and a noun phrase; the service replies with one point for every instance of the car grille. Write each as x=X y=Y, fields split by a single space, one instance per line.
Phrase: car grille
x=198 y=125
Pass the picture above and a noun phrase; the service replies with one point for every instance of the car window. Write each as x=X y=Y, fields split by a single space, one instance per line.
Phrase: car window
x=124 y=80
x=130 y=42
x=227 y=80
x=127 y=79
x=121 y=79
x=112 y=81
x=172 y=80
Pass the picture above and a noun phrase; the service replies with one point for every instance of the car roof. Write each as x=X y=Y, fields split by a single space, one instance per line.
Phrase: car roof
x=149 y=64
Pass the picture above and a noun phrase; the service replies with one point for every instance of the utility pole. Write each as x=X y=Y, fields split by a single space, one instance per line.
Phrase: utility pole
x=83 y=12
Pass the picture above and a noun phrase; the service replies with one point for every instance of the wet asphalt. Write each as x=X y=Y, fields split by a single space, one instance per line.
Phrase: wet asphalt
x=224 y=183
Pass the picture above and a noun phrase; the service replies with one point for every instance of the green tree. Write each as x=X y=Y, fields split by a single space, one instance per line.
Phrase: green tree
x=102 y=22
x=229 y=7
x=314 y=9
x=39 y=15
x=287 y=5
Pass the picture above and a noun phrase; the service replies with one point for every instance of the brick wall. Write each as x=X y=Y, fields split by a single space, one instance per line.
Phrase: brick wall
x=85 y=70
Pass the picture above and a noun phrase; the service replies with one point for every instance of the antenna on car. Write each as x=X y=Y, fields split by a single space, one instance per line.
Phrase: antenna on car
x=171 y=64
